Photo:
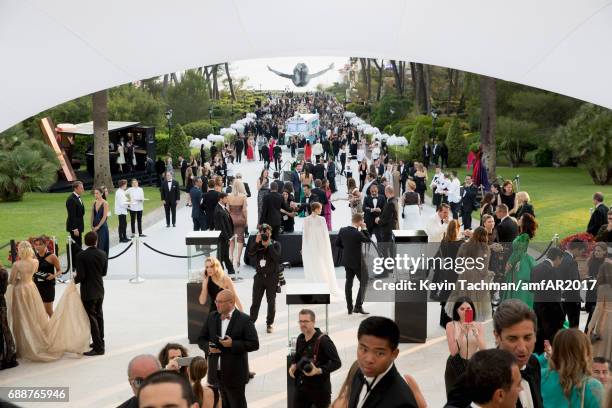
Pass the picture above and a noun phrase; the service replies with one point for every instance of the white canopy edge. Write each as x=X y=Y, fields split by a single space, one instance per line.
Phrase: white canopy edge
x=56 y=50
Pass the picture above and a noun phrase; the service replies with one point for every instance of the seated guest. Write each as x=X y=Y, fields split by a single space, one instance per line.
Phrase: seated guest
x=377 y=382
x=494 y=379
x=139 y=368
x=566 y=374
x=206 y=395
x=166 y=389
x=168 y=356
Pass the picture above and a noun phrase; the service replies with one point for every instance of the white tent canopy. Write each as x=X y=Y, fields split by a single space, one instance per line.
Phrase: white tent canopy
x=56 y=50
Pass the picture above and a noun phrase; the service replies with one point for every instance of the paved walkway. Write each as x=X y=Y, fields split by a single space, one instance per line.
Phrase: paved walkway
x=141 y=318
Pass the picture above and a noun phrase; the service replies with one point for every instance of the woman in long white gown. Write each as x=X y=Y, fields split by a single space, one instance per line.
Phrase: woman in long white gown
x=316 y=252
x=37 y=337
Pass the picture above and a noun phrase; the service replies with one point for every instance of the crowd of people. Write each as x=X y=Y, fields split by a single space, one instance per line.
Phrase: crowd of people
x=537 y=362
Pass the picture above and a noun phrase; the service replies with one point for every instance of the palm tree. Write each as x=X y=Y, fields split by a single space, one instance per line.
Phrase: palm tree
x=102 y=173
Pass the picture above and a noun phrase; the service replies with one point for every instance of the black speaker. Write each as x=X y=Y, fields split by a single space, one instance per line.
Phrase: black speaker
x=149 y=139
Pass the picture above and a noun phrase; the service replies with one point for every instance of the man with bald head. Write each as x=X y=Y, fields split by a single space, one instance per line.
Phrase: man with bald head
x=139 y=368
x=229 y=335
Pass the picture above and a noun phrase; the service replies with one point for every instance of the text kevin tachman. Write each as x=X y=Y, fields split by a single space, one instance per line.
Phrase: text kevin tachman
x=461 y=284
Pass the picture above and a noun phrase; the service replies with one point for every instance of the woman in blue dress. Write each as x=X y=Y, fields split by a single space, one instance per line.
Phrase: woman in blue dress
x=99 y=215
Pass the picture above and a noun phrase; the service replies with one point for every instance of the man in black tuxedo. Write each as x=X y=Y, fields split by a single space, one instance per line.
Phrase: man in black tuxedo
x=387 y=222
x=547 y=303
x=318 y=191
x=308 y=199
x=223 y=223
x=209 y=202
x=507 y=228
x=435 y=152
x=170 y=195
x=349 y=240
x=494 y=378
x=599 y=216
x=74 y=222
x=271 y=210
x=372 y=208
x=468 y=202
x=568 y=271
x=403 y=171
x=277 y=152
x=239 y=146
x=319 y=170
x=92 y=265
x=182 y=164
x=197 y=214
x=229 y=335
x=377 y=382
x=426 y=154
x=443 y=155
x=330 y=173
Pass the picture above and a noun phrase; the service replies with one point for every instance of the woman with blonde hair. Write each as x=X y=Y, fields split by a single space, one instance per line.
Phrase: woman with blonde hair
x=342 y=400
x=37 y=337
x=566 y=372
x=420 y=179
x=214 y=280
x=237 y=203
x=523 y=205
x=412 y=200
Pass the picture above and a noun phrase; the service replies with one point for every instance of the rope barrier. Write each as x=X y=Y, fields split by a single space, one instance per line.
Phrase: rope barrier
x=546 y=250
x=5 y=245
x=121 y=253
x=176 y=256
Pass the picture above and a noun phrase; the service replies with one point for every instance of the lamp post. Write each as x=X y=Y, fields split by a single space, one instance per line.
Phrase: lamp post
x=434 y=116
x=169 y=119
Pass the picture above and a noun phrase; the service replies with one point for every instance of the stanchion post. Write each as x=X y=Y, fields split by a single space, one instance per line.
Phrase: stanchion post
x=70 y=260
x=137 y=278
x=556 y=240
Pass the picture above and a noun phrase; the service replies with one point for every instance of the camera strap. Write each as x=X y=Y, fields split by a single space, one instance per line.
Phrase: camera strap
x=315 y=352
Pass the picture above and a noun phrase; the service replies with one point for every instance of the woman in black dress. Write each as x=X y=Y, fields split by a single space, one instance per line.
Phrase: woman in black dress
x=8 y=351
x=363 y=173
x=214 y=281
x=287 y=210
x=420 y=179
x=507 y=195
x=48 y=269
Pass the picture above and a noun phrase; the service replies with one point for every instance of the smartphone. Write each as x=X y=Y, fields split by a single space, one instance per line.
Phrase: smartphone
x=184 y=361
x=469 y=315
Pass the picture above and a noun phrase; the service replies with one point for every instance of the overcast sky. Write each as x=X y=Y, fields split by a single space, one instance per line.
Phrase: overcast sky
x=258 y=73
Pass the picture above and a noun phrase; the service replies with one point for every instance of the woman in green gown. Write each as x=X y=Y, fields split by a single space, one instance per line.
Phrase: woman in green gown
x=520 y=263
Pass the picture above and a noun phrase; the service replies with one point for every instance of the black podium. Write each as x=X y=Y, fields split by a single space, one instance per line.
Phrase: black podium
x=291 y=245
x=410 y=307
x=197 y=313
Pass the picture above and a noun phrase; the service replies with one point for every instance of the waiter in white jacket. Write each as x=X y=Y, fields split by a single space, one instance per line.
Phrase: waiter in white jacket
x=136 y=195
x=121 y=209
x=438 y=224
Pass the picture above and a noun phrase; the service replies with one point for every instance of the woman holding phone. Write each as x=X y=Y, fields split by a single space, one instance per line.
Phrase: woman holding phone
x=465 y=337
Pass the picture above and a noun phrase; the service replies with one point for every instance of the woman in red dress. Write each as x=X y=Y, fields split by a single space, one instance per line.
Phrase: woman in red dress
x=308 y=151
x=249 y=153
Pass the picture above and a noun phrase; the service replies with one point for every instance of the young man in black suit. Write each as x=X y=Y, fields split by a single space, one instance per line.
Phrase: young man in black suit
x=547 y=303
x=599 y=216
x=568 y=271
x=317 y=191
x=230 y=334
x=308 y=199
x=377 y=382
x=349 y=240
x=271 y=210
x=74 y=221
x=387 y=222
x=468 y=202
x=197 y=213
x=92 y=265
x=170 y=195
x=373 y=205
x=183 y=166
x=239 y=146
x=209 y=203
x=223 y=223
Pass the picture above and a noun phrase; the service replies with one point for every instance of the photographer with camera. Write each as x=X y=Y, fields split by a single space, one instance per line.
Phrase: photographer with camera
x=266 y=253
x=314 y=359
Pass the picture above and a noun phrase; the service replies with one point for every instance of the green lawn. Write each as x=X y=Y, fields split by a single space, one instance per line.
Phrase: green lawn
x=45 y=213
x=561 y=197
